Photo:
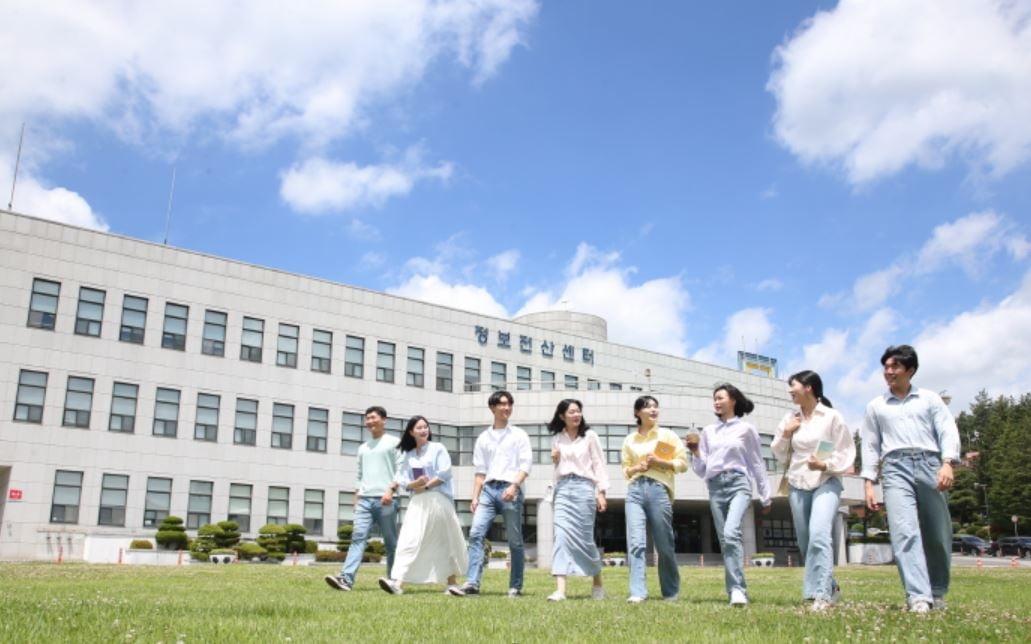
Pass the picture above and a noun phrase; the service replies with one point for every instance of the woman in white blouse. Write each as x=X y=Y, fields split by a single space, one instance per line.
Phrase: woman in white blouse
x=430 y=547
x=580 y=484
x=817 y=448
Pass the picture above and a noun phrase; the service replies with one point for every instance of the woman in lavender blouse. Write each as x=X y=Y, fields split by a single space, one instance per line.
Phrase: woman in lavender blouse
x=728 y=458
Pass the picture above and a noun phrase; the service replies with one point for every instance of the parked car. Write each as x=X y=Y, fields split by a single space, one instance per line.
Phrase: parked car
x=968 y=544
x=1019 y=546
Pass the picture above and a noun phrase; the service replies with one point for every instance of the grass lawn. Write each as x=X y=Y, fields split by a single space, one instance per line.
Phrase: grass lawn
x=245 y=602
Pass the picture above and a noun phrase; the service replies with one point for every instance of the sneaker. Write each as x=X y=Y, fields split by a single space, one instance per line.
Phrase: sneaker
x=671 y=598
x=471 y=591
x=338 y=583
x=597 y=592
x=835 y=594
x=553 y=597
x=939 y=603
x=634 y=600
x=920 y=608
x=390 y=586
x=454 y=591
x=738 y=598
x=819 y=606
x=514 y=592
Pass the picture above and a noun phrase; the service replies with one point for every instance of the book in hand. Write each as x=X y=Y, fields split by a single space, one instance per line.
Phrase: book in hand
x=665 y=451
x=824 y=450
x=418 y=472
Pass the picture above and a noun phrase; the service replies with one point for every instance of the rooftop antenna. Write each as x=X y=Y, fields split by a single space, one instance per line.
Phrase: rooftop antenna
x=168 y=213
x=17 y=161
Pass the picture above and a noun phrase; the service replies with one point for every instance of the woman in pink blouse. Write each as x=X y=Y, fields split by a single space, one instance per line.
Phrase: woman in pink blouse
x=581 y=481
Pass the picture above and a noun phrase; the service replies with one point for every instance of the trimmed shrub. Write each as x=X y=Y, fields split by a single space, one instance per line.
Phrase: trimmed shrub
x=330 y=555
x=344 y=537
x=272 y=537
x=374 y=551
x=141 y=544
x=310 y=547
x=499 y=554
x=278 y=556
x=171 y=534
x=198 y=556
x=207 y=538
x=230 y=535
x=249 y=551
x=294 y=538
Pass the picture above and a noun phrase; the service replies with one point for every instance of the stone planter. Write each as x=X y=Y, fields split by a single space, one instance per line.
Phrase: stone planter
x=157 y=557
x=614 y=561
x=763 y=562
x=870 y=553
x=497 y=564
x=222 y=559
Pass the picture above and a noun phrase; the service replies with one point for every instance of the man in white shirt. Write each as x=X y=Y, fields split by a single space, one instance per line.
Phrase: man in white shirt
x=914 y=433
x=501 y=461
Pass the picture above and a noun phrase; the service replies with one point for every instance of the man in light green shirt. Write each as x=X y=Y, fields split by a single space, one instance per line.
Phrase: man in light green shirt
x=378 y=460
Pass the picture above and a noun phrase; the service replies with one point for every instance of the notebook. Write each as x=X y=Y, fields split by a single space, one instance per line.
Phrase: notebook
x=824 y=450
x=665 y=451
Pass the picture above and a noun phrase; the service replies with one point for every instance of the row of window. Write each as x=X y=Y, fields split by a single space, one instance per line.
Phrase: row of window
x=458 y=440
x=89 y=321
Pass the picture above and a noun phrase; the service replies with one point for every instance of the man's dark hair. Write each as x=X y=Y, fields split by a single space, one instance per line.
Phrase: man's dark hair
x=378 y=410
x=496 y=397
x=904 y=354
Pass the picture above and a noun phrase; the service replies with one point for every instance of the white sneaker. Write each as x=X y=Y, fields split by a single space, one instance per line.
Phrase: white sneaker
x=513 y=593
x=597 y=592
x=920 y=608
x=634 y=600
x=939 y=603
x=556 y=597
x=454 y=591
x=819 y=606
x=390 y=586
x=738 y=598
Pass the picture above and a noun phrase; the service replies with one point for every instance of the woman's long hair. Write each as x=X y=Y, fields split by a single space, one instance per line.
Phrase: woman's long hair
x=557 y=424
x=811 y=379
x=407 y=443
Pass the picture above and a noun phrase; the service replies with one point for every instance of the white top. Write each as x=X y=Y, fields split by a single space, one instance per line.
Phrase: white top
x=500 y=454
x=732 y=446
x=825 y=424
x=582 y=456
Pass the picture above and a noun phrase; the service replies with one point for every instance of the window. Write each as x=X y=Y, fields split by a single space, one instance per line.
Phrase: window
x=472 y=374
x=205 y=427
x=252 y=339
x=245 y=431
x=43 y=303
x=240 y=505
x=351 y=427
x=345 y=508
x=385 y=362
x=321 y=351
x=114 y=489
x=572 y=382
x=523 y=379
x=174 y=333
x=282 y=426
x=313 y=502
x=318 y=428
x=123 y=408
x=78 y=400
x=157 y=502
x=198 y=508
x=134 y=319
x=354 y=357
x=416 y=367
x=213 y=342
x=166 y=412
x=445 y=371
x=67 y=490
x=615 y=386
x=32 y=389
x=498 y=375
x=636 y=388
x=593 y=385
x=278 y=505
x=90 y=315
x=286 y=348
x=547 y=381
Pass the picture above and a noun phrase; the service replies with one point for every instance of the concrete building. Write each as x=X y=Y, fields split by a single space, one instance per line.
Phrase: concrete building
x=139 y=380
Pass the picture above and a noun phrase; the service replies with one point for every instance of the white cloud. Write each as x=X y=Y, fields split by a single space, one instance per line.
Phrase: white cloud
x=875 y=87
x=362 y=231
x=503 y=264
x=745 y=330
x=319 y=185
x=769 y=284
x=468 y=297
x=34 y=197
x=371 y=260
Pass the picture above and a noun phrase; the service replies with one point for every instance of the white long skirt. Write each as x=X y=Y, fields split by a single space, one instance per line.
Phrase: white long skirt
x=430 y=547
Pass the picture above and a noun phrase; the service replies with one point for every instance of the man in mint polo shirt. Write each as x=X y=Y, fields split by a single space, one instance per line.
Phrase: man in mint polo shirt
x=378 y=460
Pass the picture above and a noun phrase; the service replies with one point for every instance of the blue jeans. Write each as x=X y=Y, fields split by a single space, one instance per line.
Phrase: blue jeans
x=648 y=508
x=919 y=522
x=489 y=506
x=369 y=509
x=813 y=512
x=730 y=495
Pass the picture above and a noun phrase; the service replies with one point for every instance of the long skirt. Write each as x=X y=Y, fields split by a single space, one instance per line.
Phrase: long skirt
x=431 y=546
x=575 y=508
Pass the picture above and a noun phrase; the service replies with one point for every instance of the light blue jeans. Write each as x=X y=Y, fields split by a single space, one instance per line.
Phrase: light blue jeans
x=919 y=522
x=730 y=495
x=489 y=506
x=813 y=512
x=648 y=509
x=369 y=509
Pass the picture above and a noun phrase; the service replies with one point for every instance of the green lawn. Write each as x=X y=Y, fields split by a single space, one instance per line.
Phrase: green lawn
x=245 y=602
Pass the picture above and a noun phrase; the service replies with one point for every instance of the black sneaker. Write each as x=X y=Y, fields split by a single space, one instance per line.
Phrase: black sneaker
x=337 y=582
x=470 y=590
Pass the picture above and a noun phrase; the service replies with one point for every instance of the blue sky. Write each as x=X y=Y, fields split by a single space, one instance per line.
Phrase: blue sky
x=810 y=180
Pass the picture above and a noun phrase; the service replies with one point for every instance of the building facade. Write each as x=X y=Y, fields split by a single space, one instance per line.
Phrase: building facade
x=139 y=381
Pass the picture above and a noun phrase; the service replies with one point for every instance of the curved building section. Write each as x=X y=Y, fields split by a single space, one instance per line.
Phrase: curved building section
x=568 y=322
